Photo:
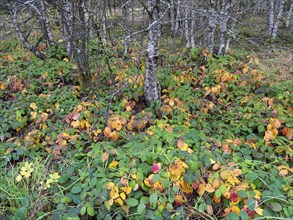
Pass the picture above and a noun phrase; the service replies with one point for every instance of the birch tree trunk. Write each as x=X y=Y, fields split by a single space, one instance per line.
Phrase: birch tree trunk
x=186 y=24
x=172 y=16
x=231 y=33
x=13 y=13
x=223 y=25
x=192 y=28
x=124 y=26
x=46 y=23
x=90 y=19
x=271 y=16
x=80 y=48
x=151 y=86
x=278 y=19
x=67 y=23
x=178 y=17
x=289 y=16
x=202 y=24
x=212 y=25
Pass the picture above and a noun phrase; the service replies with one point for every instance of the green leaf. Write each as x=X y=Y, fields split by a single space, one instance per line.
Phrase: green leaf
x=76 y=188
x=131 y=202
x=140 y=208
x=176 y=188
x=153 y=199
x=261 y=128
x=244 y=215
x=83 y=210
x=90 y=211
x=218 y=193
x=156 y=178
x=251 y=204
x=276 y=207
x=232 y=216
x=251 y=176
x=242 y=194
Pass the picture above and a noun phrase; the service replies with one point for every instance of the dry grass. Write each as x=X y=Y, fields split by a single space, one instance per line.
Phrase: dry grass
x=277 y=64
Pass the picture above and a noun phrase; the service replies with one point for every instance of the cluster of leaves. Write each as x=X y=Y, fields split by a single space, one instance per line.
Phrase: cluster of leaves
x=218 y=146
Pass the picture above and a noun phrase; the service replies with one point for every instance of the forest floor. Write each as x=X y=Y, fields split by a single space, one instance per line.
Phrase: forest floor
x=218 y=145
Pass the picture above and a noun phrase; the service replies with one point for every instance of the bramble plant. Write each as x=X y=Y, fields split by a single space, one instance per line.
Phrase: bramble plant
x=217 y=145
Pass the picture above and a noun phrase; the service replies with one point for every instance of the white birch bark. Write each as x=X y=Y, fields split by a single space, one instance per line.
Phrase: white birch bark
x=13 y=13
x=231 y=33
x=151 y=87
x=67 y=23
x=192 y=28
x=46 y=23
x=172 y=15
x=186 y=24
x=223 y=25
x=178 y=17
x=278 y=19
x=202 y=24
x=124 y=26
x=271 y=16
x=212 y=25
x=289 y=16
x=90 y=19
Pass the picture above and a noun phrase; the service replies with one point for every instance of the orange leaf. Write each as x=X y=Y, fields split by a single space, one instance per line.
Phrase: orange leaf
x=115 y=135
x=209 y=188
x=105 y=156
x=201 y=189
x=116 y=125
x=216 y=166
x=107 y=132
x=283 y=172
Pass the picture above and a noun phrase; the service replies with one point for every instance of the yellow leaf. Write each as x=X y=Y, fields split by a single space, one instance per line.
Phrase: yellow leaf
x=110 y=185
x=113 y=164
x=126 y=189
x=201 y=189
x=18 y=178
x=75 y=124
x=235 y=209
x=119 y=201
x=258 y=210
x=34 y=115
x=123 y=196
x=257 y=194
x=66 y=136
x=108 y=205
x=114 y=135
x=171 y=102
x=181 y=145
x=233 y=180
x=209 y=188
x=225 y=174
x=114 y=193
x=33 y=106
x=116 y=125
x=245 y=70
